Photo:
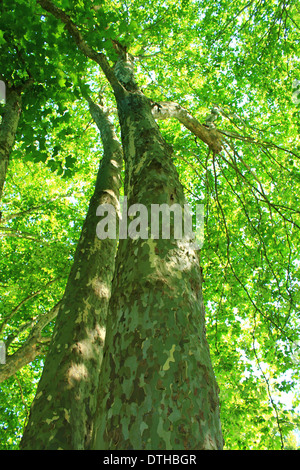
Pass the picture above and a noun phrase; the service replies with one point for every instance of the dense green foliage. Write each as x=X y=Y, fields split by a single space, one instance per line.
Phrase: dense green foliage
x=242 y=56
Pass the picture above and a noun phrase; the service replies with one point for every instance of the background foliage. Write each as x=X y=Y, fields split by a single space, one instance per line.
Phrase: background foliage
x=242 y=56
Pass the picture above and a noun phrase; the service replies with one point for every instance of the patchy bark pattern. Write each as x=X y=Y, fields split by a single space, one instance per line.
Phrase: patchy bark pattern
x=165 y=110
x=8 y=130
x=157 y=387
x=62 y=412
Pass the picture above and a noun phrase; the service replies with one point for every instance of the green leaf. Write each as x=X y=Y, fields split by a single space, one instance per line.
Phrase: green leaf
x=62 y=82
x=2 y=39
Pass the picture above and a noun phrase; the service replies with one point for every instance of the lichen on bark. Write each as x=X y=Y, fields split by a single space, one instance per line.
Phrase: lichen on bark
x=62 y=412
x=157 y=387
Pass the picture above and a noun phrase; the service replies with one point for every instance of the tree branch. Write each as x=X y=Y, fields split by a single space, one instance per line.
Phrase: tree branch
x=32 y=347
x=88 y=51
x=31 y=209
x=166 y=110
x=30 y=296
x=9 y=232
x=8 y=130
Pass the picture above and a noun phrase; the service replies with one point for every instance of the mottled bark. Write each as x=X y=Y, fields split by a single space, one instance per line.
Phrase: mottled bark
x=62 y=412
x=166 y=110
x=8 y=130
x=157 y=387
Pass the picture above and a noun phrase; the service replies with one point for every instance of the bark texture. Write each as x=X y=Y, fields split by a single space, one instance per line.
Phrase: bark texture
x=157 y=387
x=8 y=130
x=63 y=409
x=169 y=109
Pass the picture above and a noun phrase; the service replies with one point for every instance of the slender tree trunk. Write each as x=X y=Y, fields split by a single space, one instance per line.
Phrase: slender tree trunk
x=157 y=387
x=8 y=130
x=63 y=409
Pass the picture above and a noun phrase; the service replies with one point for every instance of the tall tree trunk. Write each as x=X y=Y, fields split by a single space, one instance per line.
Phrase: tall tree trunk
x=62 y=412
x=157 y=387
x=8 y=130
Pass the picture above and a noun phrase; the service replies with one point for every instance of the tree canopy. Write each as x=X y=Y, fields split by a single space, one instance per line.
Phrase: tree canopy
x=241 y=57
